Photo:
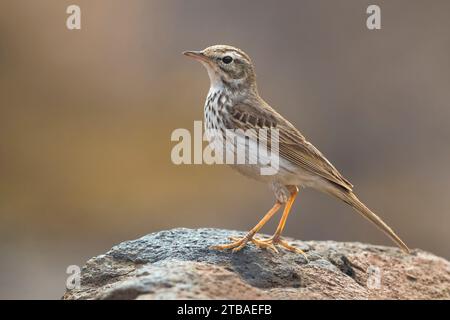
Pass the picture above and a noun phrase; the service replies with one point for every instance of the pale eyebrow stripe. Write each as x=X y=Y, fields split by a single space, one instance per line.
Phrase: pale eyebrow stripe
x=239 y=54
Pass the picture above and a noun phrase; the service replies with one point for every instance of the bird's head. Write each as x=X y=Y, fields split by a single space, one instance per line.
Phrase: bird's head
x=227 y=66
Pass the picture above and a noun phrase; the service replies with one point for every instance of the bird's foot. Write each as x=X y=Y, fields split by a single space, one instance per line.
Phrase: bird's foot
x=272 y=242
x=236 y=245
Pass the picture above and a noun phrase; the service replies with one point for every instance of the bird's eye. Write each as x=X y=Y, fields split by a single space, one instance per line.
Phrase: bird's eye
x=227 y=59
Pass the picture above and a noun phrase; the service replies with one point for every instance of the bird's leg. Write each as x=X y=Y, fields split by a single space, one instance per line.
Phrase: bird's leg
x=239 y=243
x=276 y=238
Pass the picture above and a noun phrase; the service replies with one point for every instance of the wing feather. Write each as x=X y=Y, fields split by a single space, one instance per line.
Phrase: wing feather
x=292 y=145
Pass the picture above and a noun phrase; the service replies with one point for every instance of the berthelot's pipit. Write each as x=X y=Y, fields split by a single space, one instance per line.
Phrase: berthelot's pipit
x=233 y=102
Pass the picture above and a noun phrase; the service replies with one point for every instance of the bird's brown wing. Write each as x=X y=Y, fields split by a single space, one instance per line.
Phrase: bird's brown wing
x=292 y=145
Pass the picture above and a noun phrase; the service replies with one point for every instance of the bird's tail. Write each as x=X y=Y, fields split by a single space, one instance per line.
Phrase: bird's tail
x=351 y=199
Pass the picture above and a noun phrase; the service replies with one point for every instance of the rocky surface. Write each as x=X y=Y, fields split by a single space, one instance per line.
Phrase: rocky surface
x=178 y=264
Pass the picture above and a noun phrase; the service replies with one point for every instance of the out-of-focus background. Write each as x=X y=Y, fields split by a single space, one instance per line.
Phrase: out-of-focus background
x=86 y=118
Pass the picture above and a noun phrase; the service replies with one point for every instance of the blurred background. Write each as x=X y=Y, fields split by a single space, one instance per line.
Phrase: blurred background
x=86 y=118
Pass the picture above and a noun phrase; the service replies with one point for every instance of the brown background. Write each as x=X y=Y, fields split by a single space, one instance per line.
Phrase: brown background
x=86 y=118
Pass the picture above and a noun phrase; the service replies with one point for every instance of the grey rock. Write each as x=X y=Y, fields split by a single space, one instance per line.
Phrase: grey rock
x=178 y=264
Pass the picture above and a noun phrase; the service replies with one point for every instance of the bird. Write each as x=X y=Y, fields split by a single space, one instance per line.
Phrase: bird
x=233 y=102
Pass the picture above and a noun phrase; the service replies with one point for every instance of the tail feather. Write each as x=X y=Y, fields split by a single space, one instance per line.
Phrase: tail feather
x=351 y=199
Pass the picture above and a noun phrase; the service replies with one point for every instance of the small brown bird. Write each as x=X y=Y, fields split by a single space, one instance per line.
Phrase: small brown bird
x=233 y=102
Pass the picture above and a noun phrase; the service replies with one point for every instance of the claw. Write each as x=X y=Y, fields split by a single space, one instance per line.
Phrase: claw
x=271 y=245
x=236 y=245
x=221 y=247
x=242 y=245
x=292 y=248
x=265 y=244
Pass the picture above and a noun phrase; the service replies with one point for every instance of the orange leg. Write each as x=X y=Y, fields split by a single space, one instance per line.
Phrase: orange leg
x=287 y=210
x=237 y=243
x=276 y=238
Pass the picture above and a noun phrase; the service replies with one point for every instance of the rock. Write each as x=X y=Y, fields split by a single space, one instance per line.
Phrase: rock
x=178 y=264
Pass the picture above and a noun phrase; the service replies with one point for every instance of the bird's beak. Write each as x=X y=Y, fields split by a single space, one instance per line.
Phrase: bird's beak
x=197 y=55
